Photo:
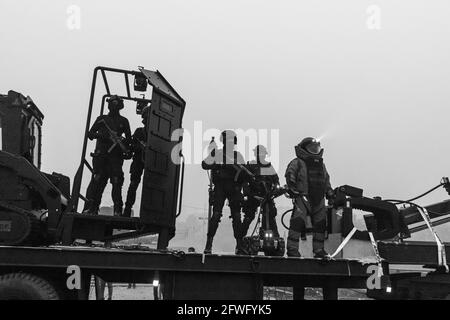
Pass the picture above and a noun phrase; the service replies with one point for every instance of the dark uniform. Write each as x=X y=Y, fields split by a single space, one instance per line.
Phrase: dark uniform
x=228 y=181
x=266 y=179
x=138 y=143
x=308 y=180
x=107 y=159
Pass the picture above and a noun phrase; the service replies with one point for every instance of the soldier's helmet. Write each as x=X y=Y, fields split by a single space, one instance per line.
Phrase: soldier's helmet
x=311 y=145
x=260 y=149
x=228 y=136
x=115 y=102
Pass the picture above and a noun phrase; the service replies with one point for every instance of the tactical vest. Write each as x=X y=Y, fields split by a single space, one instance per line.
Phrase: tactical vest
x=263 y=181
x=226 y=173
x=316 y=179
x=117 y=124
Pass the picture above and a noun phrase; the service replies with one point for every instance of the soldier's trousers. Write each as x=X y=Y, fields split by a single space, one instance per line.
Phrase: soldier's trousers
x=105 y=167
x=231 y=191
x=249 y=209
x=136 y=170
x=318 y=216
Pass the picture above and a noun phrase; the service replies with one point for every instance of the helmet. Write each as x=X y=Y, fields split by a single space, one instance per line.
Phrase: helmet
x=115 y=101
x=311 y=145
x=228 y=135
x=260 y=149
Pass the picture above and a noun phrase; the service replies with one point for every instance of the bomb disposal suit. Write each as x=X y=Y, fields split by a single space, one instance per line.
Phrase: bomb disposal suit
x=309 y=183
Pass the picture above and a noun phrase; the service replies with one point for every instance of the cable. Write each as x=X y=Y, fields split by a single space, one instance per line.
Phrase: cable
x=425 y=193
x=282 y=217
x=44 y=213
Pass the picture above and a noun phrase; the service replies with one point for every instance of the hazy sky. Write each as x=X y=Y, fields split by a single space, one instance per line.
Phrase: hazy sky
x=303 y=67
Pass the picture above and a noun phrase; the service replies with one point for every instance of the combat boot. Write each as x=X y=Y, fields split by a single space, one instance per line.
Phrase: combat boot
x=208 y=246
x=239 y=248
x=117 y=212
x=126 y=212
x=293 y=253
x=321 y=254
x=91 y=211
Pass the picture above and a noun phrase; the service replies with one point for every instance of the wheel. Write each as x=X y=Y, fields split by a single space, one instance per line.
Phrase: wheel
x=19 y=227
x=24 y=286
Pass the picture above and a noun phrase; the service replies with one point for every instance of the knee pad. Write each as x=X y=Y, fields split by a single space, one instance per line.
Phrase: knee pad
x=235 y=215
x=249 y=215
x=118 y=181
x=249 y=210
x=135 y=183
x=297 y=224
x=320 y=226
x=235 y=205
x=97 y=177
x=216 y=216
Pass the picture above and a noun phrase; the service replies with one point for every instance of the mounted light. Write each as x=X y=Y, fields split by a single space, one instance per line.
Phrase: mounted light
x=140 y=82
x=156 y=279
x=388 y=289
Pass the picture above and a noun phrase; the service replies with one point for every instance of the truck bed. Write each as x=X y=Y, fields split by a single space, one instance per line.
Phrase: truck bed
x=214 y=276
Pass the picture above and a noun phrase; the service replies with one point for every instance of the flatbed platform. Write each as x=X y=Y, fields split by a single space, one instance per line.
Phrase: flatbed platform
x=193 y=275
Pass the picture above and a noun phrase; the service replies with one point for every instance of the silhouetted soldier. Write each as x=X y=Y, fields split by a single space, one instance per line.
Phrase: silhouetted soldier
x=138 y=143
x=265 y=180
x=110 y=151
x=227 y=179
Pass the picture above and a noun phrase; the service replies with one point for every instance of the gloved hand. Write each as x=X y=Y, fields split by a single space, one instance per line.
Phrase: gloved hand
x=307 y=204
x=293 y=193
x=330 y=195
x=278 y=191
x=246 y=190
x=98 y=135
x=330 y=202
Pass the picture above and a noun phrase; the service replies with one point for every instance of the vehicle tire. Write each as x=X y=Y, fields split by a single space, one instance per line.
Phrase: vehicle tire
x=24 y=286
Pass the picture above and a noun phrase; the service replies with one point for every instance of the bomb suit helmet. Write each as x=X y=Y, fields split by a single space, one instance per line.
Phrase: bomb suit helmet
x=311 y=146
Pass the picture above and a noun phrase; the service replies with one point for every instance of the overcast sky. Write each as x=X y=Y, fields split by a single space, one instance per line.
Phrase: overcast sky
x=303 y=67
